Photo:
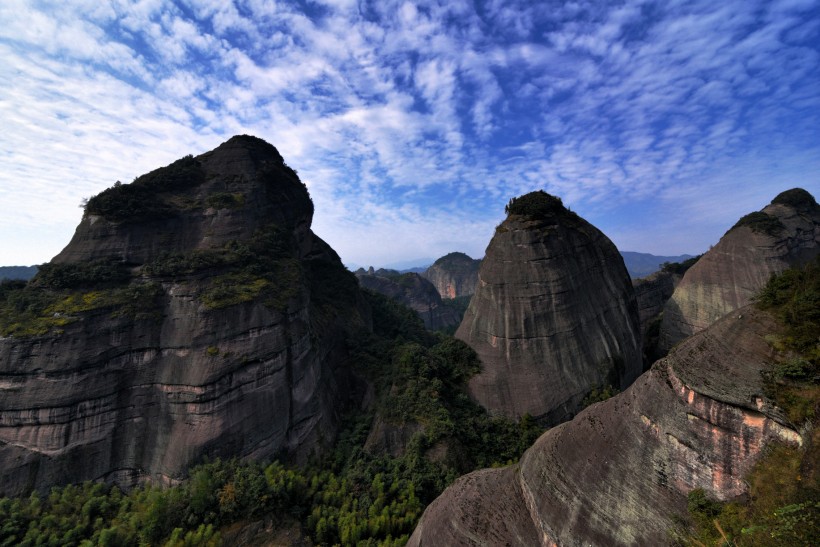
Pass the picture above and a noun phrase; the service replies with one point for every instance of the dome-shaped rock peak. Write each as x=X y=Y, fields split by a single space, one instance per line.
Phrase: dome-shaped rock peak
x=194 y=314
x=454 y=274
x=553 y=316
x=199 y=202
x=785 y=233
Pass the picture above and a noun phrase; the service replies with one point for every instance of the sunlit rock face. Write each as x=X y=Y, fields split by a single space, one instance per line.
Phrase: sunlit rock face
x=620 y=470
x=785 y=233
x=454 y=275
x=237 y=357
x=553 y=316
x=415 y=292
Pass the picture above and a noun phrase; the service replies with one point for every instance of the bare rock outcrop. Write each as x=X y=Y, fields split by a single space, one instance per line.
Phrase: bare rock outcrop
x=785 y=233
x=621 y=469
x=415 y=292
x=221 y=335
x=554 y=314
x=454 y=275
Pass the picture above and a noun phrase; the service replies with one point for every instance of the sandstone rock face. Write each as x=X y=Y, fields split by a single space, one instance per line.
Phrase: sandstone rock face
x=454 y=275
x=417 y=293
x=783 y=234
x=553 y=316
x=141 y=398
x=618 y=472
x=652 y=293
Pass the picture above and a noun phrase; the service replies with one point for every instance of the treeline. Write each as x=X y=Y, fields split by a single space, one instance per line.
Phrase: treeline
x=356 y=494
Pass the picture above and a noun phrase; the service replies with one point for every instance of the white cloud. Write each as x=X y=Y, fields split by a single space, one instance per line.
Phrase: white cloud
x=414 y=122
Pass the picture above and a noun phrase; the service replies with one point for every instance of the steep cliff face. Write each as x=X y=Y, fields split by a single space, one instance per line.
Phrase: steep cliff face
x=620 y=470
x=454 y=275
x=221 y=333
x=785 y=233
x=652 y=293
x=415 y=292
x=553 y=316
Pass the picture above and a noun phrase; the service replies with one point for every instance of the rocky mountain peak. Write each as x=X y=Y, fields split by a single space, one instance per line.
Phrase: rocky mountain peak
x=194 y=313
x=454 y=274
x=538 y=205
x=553 y=316
x=785 y=233
x=194 y=203
x=797 y=198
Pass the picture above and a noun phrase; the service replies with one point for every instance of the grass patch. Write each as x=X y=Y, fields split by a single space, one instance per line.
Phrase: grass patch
x=232 y=289
x=762 y=223
x=225 y=200
x=28 y=310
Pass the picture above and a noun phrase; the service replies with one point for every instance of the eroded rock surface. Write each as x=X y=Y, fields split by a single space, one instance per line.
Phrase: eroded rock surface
x=454 y=275
x=785 y=233
x=553 y=316
x=237 y=356
x=620 y=470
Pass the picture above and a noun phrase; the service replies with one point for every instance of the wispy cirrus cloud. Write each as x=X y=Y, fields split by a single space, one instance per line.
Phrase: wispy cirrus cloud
x=414 y=122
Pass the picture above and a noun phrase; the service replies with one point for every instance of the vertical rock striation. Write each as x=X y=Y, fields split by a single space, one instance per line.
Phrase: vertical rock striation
x=785 y=233
x=454 y=275
x=553 y=316
x=621 y=469
x=221 y=335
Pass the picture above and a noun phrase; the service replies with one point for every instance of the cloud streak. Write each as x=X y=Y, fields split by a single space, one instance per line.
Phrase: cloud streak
x=413 y=123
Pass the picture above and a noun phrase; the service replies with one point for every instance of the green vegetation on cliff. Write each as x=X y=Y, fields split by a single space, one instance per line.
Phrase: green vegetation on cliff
x=537 y=205
x=783 y=507
x=797 y=198
x=96 y=273
x=761 y=222
x=680 y=268
x=357 y=494
x=141 y=199
x=32 y=310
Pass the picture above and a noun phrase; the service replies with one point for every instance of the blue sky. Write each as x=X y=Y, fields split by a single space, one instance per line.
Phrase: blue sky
x=413 y=123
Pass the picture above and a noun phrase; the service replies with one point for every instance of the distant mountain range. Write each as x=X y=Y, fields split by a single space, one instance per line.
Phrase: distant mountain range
x=17 y=272
x=637 y=264
x=643 y=264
